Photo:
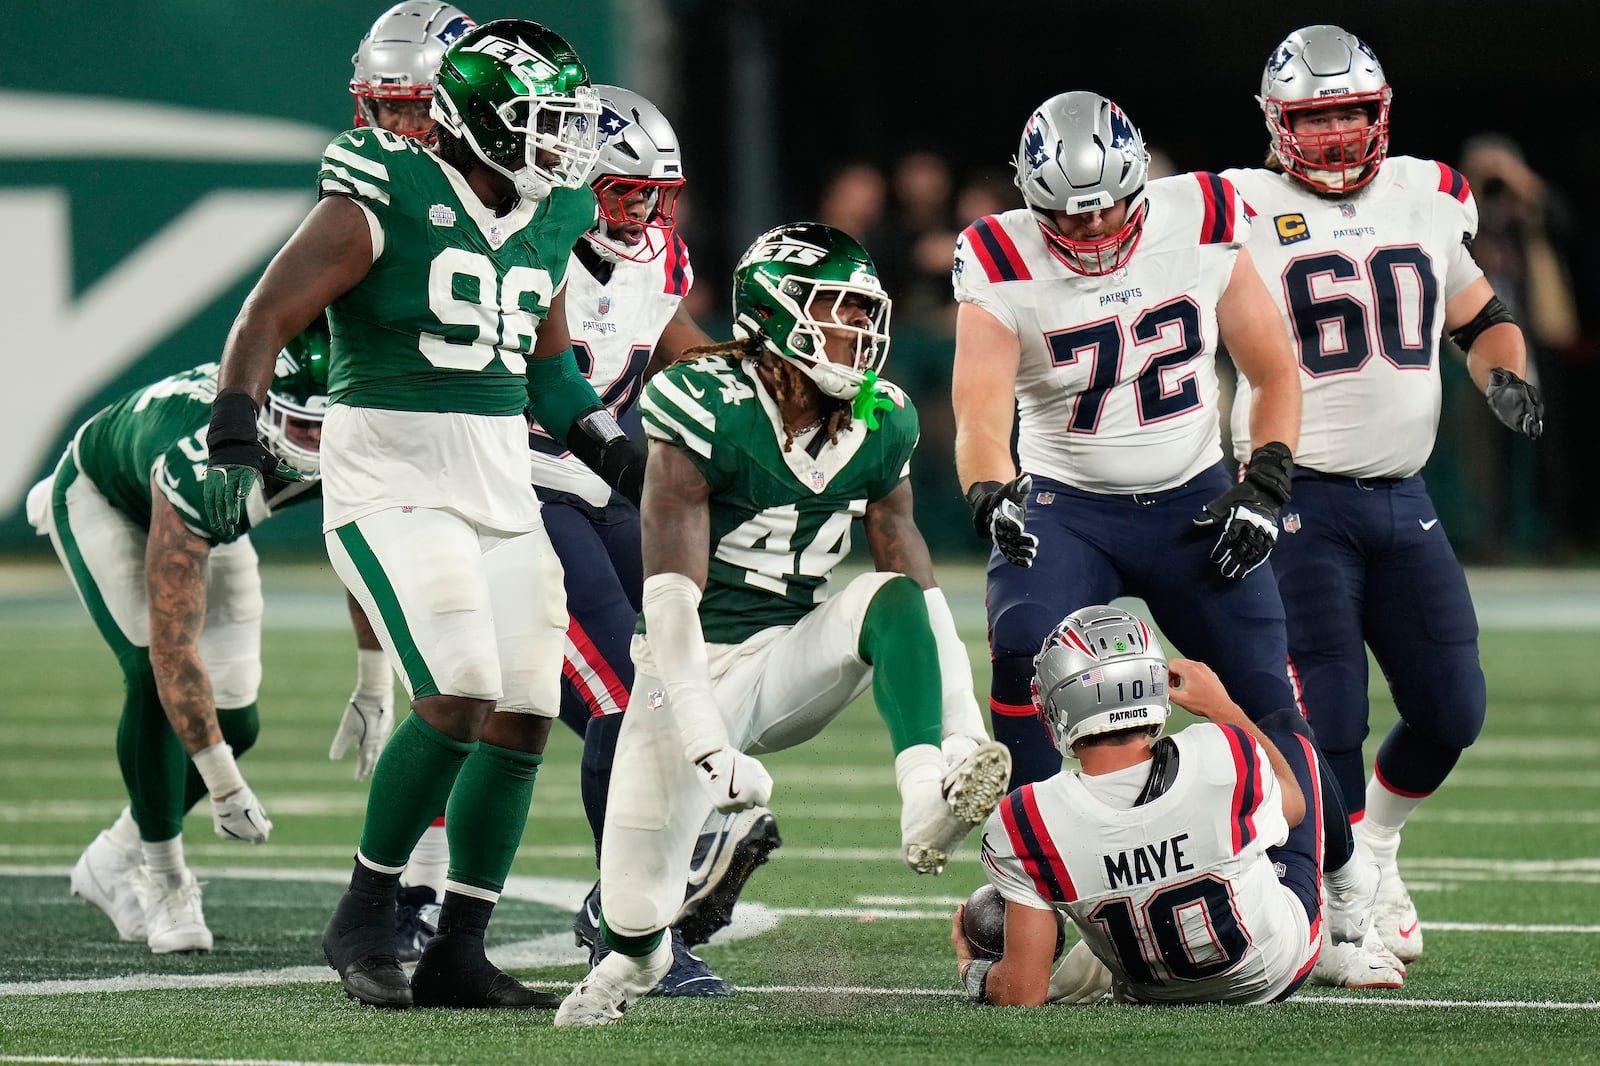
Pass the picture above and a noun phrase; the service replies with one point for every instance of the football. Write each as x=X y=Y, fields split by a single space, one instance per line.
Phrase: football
x=984 y=923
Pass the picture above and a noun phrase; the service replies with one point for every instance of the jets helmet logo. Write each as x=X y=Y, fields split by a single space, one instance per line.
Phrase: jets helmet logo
x=788 y=250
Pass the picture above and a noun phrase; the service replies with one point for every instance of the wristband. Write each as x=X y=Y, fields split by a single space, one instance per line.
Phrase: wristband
x=372 y=674
x=218 y=770
x=975 y=979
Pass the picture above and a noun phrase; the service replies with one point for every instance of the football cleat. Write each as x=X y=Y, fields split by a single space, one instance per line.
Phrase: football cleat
x=416 y=921
x=359 y=944
x=103 y=875
x=586 y=923
x=690 y=977
x=936 y=815
x=1394 y=915
x=614 y=985
x=172 y=913
x=454 y=972
x=1352 y=966
x=727 y=852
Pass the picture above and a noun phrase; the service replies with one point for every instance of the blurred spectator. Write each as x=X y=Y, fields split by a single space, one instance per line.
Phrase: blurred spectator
x=1520 y=229
x=919 y=248
x=986 y=192
x=853 y=200
x=1161 y=165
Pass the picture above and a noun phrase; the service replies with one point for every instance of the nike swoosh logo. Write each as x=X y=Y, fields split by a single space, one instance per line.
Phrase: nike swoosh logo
x=698 y=394
x=731 y=771
x=1427 y=525
x=1405 y=934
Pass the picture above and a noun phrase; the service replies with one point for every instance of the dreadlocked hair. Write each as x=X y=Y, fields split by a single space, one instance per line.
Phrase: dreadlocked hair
x=789 y=383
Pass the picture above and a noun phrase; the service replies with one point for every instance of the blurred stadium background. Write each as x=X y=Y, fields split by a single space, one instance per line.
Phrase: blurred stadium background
x=158 y=151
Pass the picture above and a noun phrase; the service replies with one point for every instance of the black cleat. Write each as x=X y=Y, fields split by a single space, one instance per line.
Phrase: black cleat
x=416 y=921
x=725 y=855
x=454 y=972
x=360 y=945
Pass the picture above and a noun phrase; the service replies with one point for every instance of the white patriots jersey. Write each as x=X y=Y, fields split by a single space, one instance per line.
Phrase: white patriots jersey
x=1117 y=386
x=1176 y=896
x=615 y=327
x=1362 y=282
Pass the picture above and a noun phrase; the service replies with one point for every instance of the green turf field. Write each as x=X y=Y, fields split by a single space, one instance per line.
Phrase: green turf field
x=841 y=953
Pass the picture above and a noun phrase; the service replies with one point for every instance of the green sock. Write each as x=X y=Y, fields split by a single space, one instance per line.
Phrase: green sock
x=898 y=641
x=412 y=780
x=487 y=812
x=149 y=753
x=636 y=947
x=240 y=726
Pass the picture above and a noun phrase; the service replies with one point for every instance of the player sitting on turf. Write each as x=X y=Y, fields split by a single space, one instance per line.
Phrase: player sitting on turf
x=1189 y=864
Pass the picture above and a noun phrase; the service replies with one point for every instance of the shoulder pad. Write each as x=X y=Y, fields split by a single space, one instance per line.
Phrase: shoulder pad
x=992 y=248
x=357 y=163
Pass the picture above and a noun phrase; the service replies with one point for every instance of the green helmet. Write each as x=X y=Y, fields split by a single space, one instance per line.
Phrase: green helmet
x=291 y=419
x=775 y=287
x=514 y=90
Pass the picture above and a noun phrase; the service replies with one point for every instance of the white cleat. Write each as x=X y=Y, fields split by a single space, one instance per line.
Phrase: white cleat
x=104 y=876
x=615 y=984
x=1394 y=915
x=172 y=913
x=1353 y=966
x=936 y=817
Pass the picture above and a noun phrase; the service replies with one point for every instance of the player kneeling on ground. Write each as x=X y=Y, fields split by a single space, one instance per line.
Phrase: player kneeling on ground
x=767 y=450
x=1189 y=864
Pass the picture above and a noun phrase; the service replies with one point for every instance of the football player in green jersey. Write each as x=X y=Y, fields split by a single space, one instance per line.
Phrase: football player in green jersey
x=178 y=600
x=768 y=449
x=441 y=264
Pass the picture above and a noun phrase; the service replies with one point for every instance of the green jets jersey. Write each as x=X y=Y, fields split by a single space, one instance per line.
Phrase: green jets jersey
x=445 y=318
x=780 y=521
x=159 y=433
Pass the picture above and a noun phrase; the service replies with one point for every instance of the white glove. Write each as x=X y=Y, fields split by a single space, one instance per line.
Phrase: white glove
x=240 y=817
x=367 y=722
x=733 y=780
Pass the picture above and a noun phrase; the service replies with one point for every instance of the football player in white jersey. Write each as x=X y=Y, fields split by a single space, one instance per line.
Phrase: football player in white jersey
x=1096 y=312
x=1189 y=865
x=1367 y=258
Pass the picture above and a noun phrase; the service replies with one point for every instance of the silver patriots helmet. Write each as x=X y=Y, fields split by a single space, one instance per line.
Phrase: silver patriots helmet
x=1101 y=670
x=639 y=155
x=1321 y=67
x=397 y=57
x=1080 y=153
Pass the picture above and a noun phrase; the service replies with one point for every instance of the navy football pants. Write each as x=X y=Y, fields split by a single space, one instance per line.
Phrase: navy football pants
x=1365 y=563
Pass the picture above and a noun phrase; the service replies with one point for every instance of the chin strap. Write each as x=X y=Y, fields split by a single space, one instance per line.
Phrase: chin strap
x=869 y=401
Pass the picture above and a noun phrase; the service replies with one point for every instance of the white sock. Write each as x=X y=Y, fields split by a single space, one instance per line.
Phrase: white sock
x=430 y=861
x=124 y=832
x=165 y=859
x=1387 y=811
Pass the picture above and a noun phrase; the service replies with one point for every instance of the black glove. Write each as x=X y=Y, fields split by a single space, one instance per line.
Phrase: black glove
x=1515 y=403
x=235 y=457
x=596 y=439
x=999 y=513
x=1248 y=512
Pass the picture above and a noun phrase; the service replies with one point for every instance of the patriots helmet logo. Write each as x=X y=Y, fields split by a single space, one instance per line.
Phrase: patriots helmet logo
x=1033 y=144
x=1122 y=135
x=454 y=29
x=1280 y=58
x=611 y=123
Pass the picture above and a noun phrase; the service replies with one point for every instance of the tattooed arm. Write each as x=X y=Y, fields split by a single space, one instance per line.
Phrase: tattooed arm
x=894 y=539
x=175 y=578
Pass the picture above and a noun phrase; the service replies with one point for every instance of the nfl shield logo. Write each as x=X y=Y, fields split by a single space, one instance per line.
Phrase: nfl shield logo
x=1047 y=498
x=605 y=305
x=818 y=480
x=1291 y=522
x=1347 y=210
x=497 y=236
